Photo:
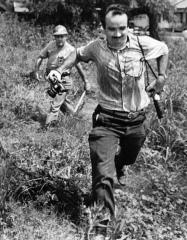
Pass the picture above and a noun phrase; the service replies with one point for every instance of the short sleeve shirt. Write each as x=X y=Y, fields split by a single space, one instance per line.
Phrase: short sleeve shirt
x=120 y=73
x=56 y=56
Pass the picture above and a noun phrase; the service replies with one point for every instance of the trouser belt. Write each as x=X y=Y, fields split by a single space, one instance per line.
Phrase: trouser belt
x=130 y=115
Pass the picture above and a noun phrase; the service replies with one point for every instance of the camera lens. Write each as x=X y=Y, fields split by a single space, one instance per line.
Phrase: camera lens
x=51 y=93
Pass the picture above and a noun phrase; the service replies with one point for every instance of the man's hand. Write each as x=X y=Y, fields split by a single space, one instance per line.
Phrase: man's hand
x=156 y=85
x=87 y=87
x=54 y=75
x=38 y=76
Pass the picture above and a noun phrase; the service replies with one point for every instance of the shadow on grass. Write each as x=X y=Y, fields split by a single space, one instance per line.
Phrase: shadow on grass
x=61 y=195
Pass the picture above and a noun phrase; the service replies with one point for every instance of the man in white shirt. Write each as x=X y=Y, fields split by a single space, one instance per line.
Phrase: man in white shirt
x=118 y=121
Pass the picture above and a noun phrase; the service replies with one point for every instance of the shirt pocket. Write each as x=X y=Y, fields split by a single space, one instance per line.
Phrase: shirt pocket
x=132 y=64
x=133 y=68
x=60 y=60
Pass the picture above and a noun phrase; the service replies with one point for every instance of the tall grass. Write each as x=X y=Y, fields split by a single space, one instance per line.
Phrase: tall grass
x=45 y=177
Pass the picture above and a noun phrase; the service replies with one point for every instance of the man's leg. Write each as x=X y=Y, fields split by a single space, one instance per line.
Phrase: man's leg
x=67 y=107
x=55 y=107
x=103 y=144
x=130 y=146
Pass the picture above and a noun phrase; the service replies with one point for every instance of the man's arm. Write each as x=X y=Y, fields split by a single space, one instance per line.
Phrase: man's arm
x=37 y=68
x=162 y=63
x=158 y=84
x=70 y=62
x=84 y=53
x=158 y=50
x=81 y=73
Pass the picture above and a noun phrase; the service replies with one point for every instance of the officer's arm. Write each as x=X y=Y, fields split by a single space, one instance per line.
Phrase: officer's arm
x=37 y=68
x=38 y=63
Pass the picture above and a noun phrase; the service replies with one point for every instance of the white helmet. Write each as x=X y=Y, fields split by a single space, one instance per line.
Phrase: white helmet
x=60 y=30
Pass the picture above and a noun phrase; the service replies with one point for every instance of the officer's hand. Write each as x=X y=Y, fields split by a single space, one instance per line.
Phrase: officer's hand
x=156 y=85
x=38 y=76
x=87 y=87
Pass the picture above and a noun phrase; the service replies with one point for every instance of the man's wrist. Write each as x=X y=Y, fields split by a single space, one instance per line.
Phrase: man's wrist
x=162 y=75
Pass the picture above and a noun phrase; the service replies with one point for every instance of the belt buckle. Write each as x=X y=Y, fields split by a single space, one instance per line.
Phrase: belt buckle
x=130 y=115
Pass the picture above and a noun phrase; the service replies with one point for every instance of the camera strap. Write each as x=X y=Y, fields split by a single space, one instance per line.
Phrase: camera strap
x=147 y=64
x=156 y=103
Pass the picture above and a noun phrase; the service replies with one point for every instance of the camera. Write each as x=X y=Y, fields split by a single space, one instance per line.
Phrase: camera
x=55 y=88
x=157 y=104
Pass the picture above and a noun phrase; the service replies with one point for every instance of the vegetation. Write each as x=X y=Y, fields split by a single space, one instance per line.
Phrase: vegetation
x=45 y=176
x=73 y=12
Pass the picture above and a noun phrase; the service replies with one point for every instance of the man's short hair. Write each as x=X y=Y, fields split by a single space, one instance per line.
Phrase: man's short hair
x=116 y=9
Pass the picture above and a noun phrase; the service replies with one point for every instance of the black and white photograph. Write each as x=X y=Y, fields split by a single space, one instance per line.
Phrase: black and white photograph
x=93 y=120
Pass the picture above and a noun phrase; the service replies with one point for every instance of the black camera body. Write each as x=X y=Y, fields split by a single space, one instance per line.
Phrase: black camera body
x=158 y=106
x=56 y=87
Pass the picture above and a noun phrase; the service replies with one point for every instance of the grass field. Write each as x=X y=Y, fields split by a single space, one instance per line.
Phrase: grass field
x=45 y=176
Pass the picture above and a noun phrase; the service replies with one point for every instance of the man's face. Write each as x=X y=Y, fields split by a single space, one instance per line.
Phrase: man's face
x=116 y=29
x=60 y=40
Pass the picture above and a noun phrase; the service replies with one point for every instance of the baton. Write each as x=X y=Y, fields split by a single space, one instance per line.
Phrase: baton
x=80 y=101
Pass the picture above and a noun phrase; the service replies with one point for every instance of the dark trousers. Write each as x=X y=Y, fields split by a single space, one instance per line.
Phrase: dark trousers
x=111 y=130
